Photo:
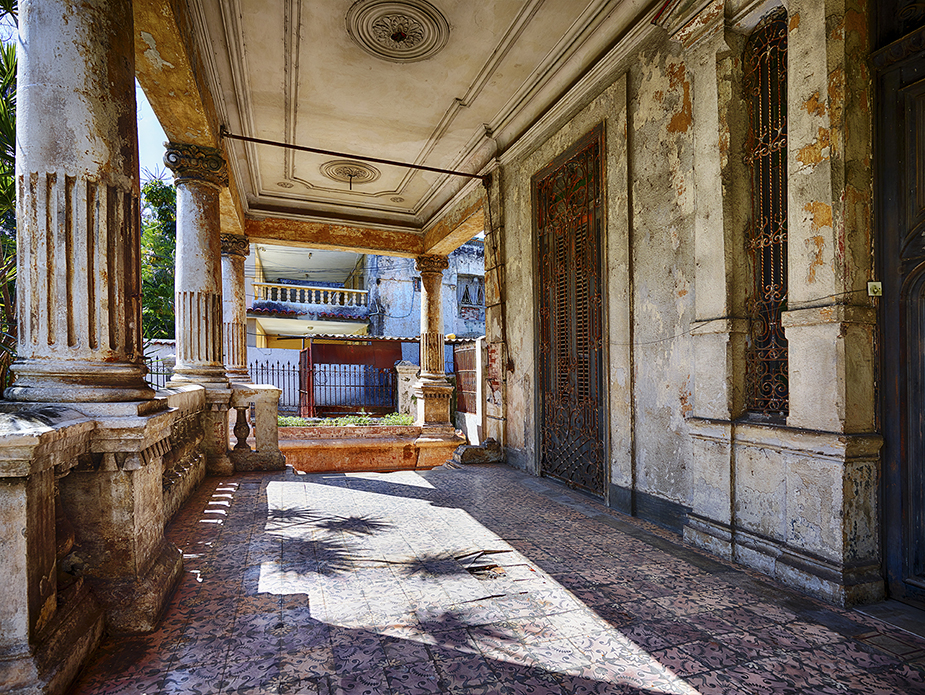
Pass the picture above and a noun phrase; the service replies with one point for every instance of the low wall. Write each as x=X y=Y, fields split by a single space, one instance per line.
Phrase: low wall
x=363 y=448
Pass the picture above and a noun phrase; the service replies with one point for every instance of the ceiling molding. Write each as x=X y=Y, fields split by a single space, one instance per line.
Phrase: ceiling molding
x=591 y=84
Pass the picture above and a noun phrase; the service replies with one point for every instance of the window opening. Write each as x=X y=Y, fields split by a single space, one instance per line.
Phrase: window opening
x=767 y=381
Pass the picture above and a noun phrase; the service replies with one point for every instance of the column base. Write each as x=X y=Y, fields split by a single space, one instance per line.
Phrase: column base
x=246 y=461
x=432 y=402
x=841 y=584
x=210 y=377
x=134 y=605
x=50 y=665
x=78 y=381
x=436 y=445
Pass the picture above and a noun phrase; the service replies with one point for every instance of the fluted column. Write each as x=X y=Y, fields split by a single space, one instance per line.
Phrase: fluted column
x=432 y=389
x=78 y=205
x=234 y=306
x=200 y=175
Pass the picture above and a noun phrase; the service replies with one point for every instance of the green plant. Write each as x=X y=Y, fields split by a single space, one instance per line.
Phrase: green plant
x=292 y=421
x=397 y=419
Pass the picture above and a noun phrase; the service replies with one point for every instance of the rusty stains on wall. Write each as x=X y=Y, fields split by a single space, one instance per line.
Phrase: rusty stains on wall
x=813 y=106
x=818 y=151
x=682 y=120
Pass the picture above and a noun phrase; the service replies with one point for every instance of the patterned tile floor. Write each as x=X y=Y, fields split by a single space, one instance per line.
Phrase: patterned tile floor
x=476 y=580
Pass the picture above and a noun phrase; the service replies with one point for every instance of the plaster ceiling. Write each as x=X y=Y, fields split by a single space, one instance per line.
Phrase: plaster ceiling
x=304 y=264
x=291 y=71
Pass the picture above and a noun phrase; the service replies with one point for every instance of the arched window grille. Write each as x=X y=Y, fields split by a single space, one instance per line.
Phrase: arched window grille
x=767 y=383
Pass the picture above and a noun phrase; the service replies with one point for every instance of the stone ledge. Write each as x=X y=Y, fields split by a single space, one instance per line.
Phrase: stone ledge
x=60 y=650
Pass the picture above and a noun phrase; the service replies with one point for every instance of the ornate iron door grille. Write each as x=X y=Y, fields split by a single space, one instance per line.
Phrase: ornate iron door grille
x=568 y=211
x=766 y=371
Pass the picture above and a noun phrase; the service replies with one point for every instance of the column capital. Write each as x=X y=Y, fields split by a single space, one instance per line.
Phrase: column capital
x=235 y=245
x=431 y=263
x=196 y=163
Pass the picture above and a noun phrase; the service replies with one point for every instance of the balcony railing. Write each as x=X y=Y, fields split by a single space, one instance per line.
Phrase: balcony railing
x=302 y=294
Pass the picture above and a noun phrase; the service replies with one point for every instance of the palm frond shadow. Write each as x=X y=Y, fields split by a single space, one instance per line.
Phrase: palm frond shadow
x=364 y=525
x=320 y=556
x=355 y=525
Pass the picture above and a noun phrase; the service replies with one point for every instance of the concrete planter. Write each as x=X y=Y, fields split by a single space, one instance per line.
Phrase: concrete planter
x=362 y=448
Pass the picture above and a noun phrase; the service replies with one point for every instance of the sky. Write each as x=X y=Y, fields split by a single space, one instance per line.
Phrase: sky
x=151 y=139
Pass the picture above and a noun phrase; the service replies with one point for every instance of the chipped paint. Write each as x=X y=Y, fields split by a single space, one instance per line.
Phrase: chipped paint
x=822 y=215
x=794 y=22
x=837 y=94
x=682 y=120
x=813 y=106
x=151 y=53
x=818 y=151
x=816 y=245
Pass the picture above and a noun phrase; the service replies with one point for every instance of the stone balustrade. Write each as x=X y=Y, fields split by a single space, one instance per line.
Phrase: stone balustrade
x=265 y=402
x=303 y=294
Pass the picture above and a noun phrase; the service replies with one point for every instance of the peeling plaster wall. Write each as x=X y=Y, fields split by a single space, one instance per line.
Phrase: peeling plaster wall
x=797 y=498
x=661 y=159
x=647 y=315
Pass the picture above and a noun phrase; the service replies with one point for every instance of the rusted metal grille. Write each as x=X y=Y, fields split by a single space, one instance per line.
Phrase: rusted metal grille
x=465 y=366
x=568 y=204
x=766 y=83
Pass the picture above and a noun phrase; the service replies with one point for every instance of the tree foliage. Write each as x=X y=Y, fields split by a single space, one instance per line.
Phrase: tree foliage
x=158 y=253
x=7 y=199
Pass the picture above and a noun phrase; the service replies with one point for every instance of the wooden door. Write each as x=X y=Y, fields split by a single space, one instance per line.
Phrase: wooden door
x=900 y=155
x=568 y=207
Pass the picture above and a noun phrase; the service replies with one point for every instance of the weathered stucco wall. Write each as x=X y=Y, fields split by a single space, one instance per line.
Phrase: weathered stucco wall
x=797 y=497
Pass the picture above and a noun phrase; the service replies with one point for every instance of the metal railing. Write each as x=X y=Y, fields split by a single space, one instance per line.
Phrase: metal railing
x=283 y=376
x=303 y=294
x=158 y=373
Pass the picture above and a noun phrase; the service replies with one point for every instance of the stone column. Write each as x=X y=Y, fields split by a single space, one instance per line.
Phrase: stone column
x=234 y=307
x=432 y=389
x=200 y=175
x=78 y=205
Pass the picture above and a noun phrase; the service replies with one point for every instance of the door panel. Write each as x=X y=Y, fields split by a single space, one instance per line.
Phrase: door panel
x=569 y=212
x=900 y=156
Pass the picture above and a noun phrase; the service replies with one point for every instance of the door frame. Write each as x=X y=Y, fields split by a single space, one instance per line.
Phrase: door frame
x=598 y=132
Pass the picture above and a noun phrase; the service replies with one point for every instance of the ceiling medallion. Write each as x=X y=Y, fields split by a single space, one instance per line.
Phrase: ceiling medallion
x=397 y=199
x=402 y=31
x=284 y=184
x=350 y=172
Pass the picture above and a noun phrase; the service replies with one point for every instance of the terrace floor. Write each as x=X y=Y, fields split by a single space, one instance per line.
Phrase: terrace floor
x=476 y=580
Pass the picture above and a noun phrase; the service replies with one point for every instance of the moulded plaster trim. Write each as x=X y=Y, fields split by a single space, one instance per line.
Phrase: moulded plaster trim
x=589 y=85
x=267 y=212
x=292 y=52
x=580 y=31
x=237 y=54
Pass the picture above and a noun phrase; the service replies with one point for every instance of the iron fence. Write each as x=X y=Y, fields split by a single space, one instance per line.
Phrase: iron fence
x=282 y=375
x=158 y=373
x=350 y=388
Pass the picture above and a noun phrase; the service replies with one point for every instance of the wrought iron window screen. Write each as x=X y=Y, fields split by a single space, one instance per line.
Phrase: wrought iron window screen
x=767 y=381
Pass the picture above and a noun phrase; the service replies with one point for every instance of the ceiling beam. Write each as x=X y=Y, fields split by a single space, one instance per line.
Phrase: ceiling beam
x=333 y=237
x=168 y=71
x=464 y=220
